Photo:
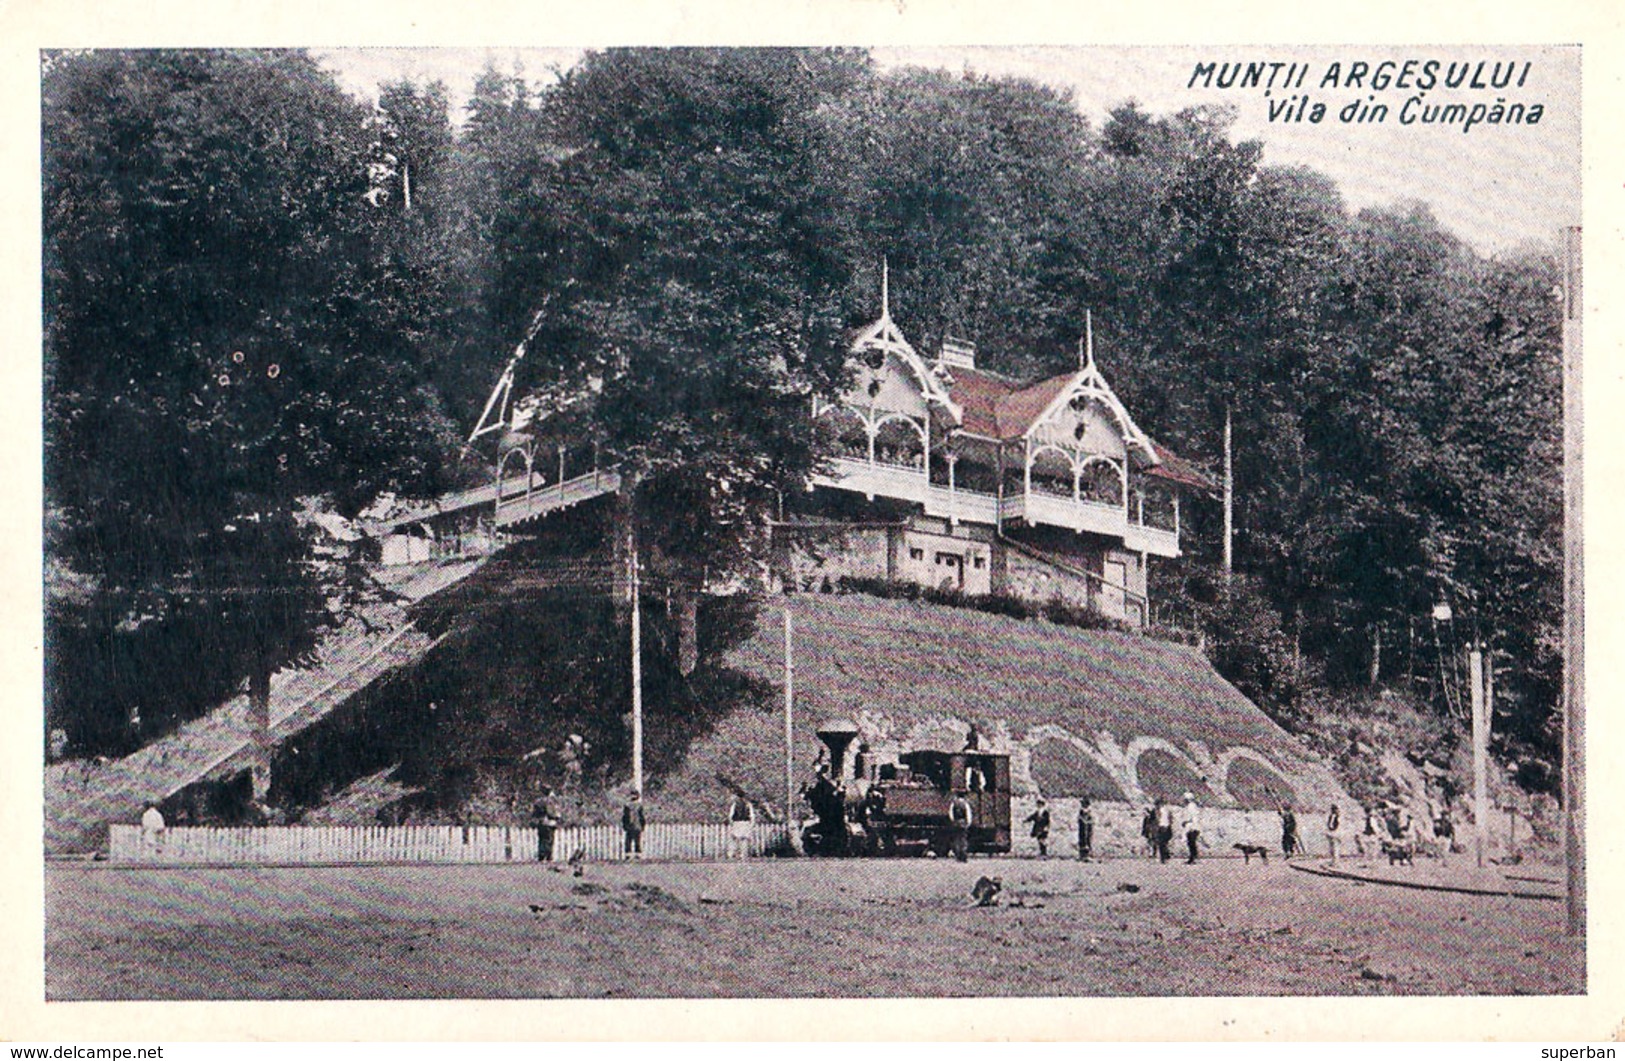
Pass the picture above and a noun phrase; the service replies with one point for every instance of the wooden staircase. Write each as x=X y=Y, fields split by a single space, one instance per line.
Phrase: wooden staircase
x=83 y=796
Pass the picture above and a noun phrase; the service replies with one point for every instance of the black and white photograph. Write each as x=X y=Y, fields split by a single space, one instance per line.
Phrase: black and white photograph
x=775 y=521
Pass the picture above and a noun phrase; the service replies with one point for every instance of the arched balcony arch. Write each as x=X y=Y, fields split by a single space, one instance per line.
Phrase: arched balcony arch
x=1051 y=470
x=514 y=473
x=1102 y=481
x=899 y=440
x=849 y=429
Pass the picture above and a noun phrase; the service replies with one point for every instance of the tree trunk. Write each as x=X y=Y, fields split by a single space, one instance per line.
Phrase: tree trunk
x=1376 y=654
x=1229 y=496
x=688 y=630
x=259 y=715
x=625 y=534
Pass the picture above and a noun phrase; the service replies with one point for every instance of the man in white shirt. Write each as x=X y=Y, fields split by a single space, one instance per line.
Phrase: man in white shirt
x=1191 y=824
x=1165 y=828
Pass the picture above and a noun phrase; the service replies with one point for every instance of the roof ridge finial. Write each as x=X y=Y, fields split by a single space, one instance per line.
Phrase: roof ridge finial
x=1086 y=347
x=885 y=287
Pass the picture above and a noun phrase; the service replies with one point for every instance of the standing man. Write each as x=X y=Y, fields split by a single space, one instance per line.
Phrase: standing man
x=547 y=823
x=1148 y=829
x=1334 y=821
x=872 y=816
x=632 y=822
x=1040 y=819
x=1445 y=830
x=1289 y=831
x=1367 y=841
x=1191 y=823
x=741 y=820
x=959 y=821
x=1086 y=829
x=1165 y=828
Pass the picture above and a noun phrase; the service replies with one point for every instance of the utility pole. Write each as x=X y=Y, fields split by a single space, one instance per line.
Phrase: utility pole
x=637 y=678
x=1229 y=495
x=1481 y=744
x=789 y=730
x=1573 y=589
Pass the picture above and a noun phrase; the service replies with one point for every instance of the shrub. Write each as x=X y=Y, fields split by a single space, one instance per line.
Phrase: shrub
x=1055 y=610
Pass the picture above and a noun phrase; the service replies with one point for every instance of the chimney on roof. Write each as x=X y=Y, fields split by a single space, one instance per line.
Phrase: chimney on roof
x=957 y=353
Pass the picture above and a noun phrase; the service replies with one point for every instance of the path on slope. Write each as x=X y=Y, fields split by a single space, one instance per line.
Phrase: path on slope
x=82 y=796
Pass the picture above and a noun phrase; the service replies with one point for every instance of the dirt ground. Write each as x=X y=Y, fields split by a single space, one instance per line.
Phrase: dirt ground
x=784 y=928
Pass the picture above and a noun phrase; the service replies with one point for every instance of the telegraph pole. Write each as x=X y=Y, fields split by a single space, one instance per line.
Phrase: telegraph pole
x=1573 y=589
x=637 y=678
x=1229 y=494
x=1481 y=744
x=789 y=729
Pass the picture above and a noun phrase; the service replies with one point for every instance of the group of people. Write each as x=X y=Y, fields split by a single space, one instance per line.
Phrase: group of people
x=1389 y=823
x=1161 y=823
x=546 y=821
x=1157 y=828
x=1040 y=820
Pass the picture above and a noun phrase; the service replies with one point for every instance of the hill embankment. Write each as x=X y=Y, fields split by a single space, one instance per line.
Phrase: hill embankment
x=529 y=688
x=1113 y=716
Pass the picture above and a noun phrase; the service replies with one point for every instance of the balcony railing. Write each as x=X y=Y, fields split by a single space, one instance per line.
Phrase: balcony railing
x=911 y=484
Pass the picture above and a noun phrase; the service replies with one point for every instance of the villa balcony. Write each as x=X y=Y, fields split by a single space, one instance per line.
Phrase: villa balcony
x=910 y=483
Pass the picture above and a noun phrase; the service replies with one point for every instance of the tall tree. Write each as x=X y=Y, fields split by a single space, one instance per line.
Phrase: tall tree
x=968 y=184
x=227 y=342
x=693 y=248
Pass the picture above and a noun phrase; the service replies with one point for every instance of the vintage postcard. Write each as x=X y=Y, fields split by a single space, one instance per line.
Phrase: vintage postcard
x=1035 y=525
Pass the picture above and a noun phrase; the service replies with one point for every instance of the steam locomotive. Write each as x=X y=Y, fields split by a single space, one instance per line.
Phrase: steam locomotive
x=864 y=806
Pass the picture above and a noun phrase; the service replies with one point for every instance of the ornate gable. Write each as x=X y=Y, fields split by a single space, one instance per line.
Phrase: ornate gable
x=892 y=377
x=1078 y=412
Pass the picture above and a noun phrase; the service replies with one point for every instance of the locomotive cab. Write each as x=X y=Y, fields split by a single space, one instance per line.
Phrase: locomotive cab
x=902 y=807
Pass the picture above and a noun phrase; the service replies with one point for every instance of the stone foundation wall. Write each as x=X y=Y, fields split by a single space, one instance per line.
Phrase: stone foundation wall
x=1117 y=831
x=1032 y=579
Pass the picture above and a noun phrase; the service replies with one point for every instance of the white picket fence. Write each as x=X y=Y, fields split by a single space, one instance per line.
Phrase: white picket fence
x=317 y=845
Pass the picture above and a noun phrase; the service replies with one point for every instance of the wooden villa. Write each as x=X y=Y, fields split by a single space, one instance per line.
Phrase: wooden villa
x=981 y=483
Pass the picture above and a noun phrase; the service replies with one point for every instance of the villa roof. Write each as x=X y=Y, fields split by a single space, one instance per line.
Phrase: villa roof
x=1177 y=469
x=979 y=394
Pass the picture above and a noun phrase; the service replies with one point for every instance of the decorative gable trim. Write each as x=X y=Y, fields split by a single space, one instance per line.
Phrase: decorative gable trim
x=885 y=336
x=1090 y=385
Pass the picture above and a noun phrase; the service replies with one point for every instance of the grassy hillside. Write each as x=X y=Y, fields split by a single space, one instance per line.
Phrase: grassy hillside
x=476 y=728
x=919 y=673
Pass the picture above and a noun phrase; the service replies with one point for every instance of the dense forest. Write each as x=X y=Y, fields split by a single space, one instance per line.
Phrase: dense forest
x=265 y=298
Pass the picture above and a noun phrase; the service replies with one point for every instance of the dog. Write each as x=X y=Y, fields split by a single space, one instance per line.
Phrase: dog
x=1249 y=850
x=986 y=892
x=1398 y=854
